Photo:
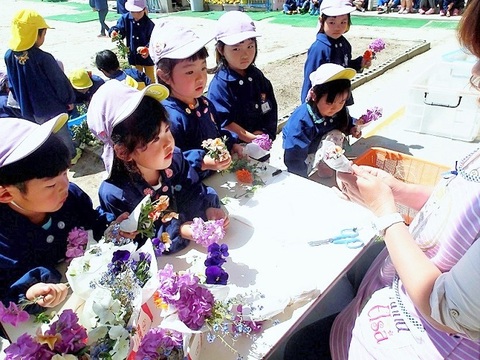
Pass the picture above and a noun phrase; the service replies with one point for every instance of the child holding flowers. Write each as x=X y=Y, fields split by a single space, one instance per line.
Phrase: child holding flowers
x=323 y=117
x=180 y=56
x=141 y=159
x=137 y=28
x=39 y=212
x=330 y=45
x=242 y=95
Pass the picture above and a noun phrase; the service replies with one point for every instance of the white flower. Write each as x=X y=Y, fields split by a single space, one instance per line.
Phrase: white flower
x=122 y=342
x=108 y=310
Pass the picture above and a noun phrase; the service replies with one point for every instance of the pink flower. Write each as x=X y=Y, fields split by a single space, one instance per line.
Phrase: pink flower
x=377 y=45
x=76 y=243
x=13 y=315
x=263 y=141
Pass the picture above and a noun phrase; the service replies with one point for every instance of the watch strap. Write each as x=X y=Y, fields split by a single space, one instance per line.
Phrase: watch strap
x=382 y=223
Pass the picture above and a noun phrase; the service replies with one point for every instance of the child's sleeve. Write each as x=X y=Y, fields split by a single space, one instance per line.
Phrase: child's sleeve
x=316 y=56
x=95 y=219
x=16 y=292
x=232 y=138
x=119 y=27
x=220 y=98
x=296 y=142
x=271 y=117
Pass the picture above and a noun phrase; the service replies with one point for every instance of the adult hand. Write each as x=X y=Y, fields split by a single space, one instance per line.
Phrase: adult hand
x=367 y=186
x=47 y=295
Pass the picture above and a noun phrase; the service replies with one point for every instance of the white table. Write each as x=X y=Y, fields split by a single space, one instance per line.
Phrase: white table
x=267 y=240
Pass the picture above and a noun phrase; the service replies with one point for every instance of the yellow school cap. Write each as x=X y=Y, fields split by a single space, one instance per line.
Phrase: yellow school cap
x=25 y=26
x=80 y=79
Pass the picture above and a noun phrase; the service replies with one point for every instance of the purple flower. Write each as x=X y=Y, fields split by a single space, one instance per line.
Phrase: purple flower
x=76 y=243
x=195 y=306
x=372 y=114
x=72 y=334
x=158 y=343
x=25 y=348
x=119 y=260
x=216 y=275
x=263 y=141
x=12 y=315
x=207 y=232
x=377 y=45
x=158 y=246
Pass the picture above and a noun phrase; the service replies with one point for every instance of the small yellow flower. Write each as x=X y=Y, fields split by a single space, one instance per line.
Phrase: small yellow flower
x=50 y=340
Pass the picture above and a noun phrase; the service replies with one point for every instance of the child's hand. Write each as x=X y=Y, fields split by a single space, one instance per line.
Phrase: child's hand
x=186 y=230
x=112 y=232
x=70 y=107
x=237 y=149
x=143 y=51
x=356 y=132
x=47 y=295
x=113 y=34
x=367 y=59
x=217 y=214
x=212 y=164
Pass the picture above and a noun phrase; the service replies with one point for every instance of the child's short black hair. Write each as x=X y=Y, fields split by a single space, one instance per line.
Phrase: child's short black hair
x=107 y=61
x=166 y=65
x=137 y=130
x=332 y=89
x=49 y=160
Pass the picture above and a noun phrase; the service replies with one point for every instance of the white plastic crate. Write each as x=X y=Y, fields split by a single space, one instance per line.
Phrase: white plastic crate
x=442 y=102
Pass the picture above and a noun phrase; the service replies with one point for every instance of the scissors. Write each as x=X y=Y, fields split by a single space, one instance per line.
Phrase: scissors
x=349 y=237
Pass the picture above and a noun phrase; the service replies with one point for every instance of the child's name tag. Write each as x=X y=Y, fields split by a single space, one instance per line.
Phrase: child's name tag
x=266 y=107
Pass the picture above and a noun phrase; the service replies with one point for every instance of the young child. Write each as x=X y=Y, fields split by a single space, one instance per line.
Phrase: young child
x=107 y=62
x=102 y=7
x=323 y=116
x=141 y=159
x=38 y=209
x=137 y=28
x=37 y=83
x=180 y=57
x=330 y=45
x=85 y=84
x=241 y=94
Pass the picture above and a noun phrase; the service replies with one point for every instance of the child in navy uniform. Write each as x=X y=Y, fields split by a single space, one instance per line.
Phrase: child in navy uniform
x=323 y=116
x=38 y=209
x=241 y=94
x=5 y=109
x=141 y=159
x=137 y=28
x=37 y=83
x=330 y=45
x=180 y=57
x=107 y=62
x=85 y=84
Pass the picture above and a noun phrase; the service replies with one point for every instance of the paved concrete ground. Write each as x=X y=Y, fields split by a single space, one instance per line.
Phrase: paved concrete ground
x=75 y=45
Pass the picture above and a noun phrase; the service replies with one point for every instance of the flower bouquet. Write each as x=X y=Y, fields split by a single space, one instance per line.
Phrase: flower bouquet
x=143 y=217
x=333 y=156
x=375 y=47
x=216 y=148
x=370 y=115
x=161 y=344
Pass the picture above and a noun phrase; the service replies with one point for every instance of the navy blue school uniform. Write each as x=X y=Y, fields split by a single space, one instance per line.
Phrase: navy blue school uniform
x=303 y=132
x=180 y=182
x=327 y=50
x=38 y=84
x=191 y=126
x=137 y=34
x=246 y=100
x=121 y=7
x=29 y=253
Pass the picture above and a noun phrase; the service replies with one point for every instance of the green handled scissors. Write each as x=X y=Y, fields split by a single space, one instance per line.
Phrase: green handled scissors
x=349 y=237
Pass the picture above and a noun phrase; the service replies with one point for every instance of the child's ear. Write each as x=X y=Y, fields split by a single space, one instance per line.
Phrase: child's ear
x=121 y=153
x=5 y=196
x=164 y=77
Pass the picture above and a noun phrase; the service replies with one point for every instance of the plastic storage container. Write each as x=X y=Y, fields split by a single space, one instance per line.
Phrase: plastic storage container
x=442 y=102
x=404 y=167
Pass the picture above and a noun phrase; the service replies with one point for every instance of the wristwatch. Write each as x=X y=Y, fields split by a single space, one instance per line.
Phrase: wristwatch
x=381 y=224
